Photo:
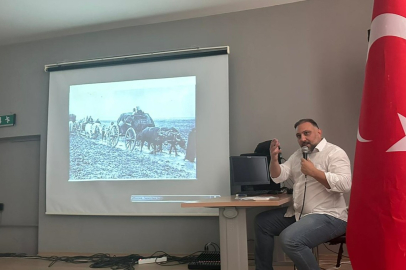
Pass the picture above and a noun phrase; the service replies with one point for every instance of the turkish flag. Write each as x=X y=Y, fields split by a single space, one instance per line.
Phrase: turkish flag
x=376 y=232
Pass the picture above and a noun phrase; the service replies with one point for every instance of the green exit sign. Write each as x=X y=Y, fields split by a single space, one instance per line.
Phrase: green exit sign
x=7 y=120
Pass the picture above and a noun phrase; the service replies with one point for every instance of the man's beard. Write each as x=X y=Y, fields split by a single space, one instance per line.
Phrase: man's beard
x=309 y=145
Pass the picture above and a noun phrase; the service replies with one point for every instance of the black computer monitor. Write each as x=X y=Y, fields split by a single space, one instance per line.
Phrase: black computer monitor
x=249 y=170
x=249 y=173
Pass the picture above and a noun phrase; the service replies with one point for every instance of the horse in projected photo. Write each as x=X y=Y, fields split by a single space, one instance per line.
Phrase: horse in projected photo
x=87 y=127
x=128 y=126
x=93 y=130
x=172 y=137
x=158 y=137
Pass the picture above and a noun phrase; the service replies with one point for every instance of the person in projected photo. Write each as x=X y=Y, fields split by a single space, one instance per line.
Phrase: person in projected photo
x=319 y=211
x=139 y=111
x=125 y=119
x=191 y=146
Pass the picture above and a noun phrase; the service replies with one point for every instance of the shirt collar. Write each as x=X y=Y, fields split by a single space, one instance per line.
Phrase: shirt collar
x=321 y=145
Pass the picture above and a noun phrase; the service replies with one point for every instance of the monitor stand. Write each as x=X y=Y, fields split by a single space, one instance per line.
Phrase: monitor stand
x=250 y=191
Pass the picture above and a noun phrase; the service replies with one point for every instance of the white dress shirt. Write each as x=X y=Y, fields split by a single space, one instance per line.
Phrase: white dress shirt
x=334 y=162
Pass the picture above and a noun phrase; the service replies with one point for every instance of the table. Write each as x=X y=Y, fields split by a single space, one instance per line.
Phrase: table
x=233 y=226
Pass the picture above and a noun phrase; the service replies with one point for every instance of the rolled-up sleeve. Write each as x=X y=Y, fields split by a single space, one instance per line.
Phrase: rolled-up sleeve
x=285 y=171
x=339 y=172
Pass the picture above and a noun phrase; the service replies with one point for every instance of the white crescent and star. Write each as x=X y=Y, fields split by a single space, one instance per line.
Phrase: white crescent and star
x=388 y=25
x=401 y=144
x=361 y=139
x=385 y=25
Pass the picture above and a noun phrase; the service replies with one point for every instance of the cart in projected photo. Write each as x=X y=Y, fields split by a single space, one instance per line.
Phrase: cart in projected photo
x=127 y=127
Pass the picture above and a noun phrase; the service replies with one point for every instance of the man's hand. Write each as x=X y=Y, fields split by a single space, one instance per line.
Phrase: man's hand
x=307 y=167
x=275 y=149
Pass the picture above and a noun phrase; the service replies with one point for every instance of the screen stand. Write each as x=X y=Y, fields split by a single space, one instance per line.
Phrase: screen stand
x=247 y=188
x=251 y=191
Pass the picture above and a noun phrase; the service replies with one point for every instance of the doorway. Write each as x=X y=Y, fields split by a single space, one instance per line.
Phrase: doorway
x=19 y=192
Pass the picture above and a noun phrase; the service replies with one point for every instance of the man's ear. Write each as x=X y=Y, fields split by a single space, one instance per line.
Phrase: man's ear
x=320 y=132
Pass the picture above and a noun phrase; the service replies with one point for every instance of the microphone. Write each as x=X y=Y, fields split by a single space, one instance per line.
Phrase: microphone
x=305 y=151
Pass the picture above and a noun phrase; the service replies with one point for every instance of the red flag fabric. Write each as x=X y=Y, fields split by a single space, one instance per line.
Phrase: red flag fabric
x=376 y=232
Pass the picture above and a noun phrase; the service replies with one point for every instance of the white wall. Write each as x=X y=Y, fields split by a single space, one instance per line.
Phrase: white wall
x=287 y=62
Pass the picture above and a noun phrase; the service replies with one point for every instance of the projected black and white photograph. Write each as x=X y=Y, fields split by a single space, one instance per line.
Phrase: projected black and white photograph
x=133 y=130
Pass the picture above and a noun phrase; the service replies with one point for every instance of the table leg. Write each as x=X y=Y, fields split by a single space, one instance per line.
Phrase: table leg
x=233 y=238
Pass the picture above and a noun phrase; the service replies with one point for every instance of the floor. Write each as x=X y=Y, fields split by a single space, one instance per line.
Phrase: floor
x=327 y=262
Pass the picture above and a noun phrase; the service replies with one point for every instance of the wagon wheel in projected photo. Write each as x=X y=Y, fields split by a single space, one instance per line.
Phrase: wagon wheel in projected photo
x=130 y=139
x=113 y=136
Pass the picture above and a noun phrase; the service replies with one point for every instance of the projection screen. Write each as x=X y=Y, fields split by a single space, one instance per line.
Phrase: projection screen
x=138 y=139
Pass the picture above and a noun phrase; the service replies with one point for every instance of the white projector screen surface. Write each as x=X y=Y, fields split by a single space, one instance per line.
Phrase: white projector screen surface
x=138 y=139
x=172 y=121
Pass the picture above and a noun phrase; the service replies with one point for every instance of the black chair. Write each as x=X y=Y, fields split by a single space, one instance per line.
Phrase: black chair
x=338 y=240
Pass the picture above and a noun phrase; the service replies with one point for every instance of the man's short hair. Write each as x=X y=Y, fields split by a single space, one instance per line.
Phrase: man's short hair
x=307 y=120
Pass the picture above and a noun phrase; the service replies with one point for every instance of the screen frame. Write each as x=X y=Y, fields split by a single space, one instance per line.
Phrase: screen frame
x=78 y=198
x=233 y=176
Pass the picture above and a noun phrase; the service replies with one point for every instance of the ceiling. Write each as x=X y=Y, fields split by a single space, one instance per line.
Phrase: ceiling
x=27 y=20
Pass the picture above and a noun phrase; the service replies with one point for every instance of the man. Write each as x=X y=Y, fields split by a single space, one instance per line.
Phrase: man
x=125 y=119
x=191 y=146
x=139 y=111
x=319 y=211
